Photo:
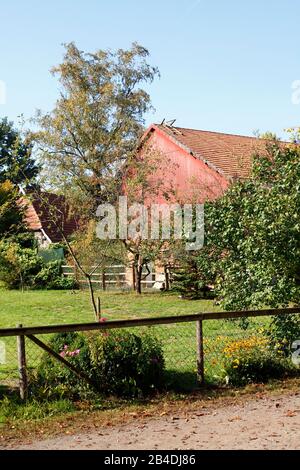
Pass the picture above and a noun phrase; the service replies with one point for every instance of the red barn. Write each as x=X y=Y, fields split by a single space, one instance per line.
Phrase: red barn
x=203 y=163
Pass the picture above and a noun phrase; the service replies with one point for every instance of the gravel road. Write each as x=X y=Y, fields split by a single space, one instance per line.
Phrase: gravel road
x=259 y=423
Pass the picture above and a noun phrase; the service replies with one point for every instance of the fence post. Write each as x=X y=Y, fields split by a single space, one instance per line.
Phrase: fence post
x=167 y=278
x=200 y=354
x=98 y=308
x=75 y=273
x=103 y=280
x=23 y=382
x=133 y=277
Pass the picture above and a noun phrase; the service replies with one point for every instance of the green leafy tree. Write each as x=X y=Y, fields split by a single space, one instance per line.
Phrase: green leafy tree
x=252 y=236
x=96 y=124
x=92 y=133
x=255 y=231
x=18 y=265
x=16 y=162
x=10 y=211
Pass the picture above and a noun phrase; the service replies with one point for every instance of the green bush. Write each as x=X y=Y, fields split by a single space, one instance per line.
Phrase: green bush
x=54 y=380
x=63 y=283
x=283 y=331
x=21 y=266
x=254 y=361
x=50 y=277
x=119 y=363
x=127 y=363
x=191 y=280
x=18 y=265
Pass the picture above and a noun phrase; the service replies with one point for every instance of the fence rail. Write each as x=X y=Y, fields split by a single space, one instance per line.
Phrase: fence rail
x=32 y=330
x=186 y=348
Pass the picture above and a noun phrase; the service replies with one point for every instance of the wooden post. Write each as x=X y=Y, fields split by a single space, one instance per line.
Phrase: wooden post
x=133 y=277
x=200 y=355
x=99 y=308
x=75 y=273
x=23 y=382
x=167 y=279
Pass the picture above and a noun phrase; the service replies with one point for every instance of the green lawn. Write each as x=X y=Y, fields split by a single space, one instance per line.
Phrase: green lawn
x=52 y=307
x=179 y=340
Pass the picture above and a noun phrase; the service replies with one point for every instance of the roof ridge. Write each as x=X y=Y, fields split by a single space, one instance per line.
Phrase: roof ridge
x=217 y=132
x=221 y=133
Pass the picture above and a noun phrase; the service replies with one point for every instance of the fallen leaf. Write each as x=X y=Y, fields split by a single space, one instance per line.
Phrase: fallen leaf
x=235 y=418
x=290 y=414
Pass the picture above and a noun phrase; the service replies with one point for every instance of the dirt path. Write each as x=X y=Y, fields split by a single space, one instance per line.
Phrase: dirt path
x=265 y=423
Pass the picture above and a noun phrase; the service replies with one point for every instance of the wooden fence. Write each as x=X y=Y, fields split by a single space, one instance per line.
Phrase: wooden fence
x=114 y=276
x=22 y=332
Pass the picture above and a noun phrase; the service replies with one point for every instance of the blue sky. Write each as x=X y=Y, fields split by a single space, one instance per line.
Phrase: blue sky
x=225 y=65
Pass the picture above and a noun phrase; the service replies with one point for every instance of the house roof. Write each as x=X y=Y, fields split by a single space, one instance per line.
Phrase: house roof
x=49 y=212
x=229 y=154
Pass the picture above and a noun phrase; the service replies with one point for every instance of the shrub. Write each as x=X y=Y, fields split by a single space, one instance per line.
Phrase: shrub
x=254 y=361
x=127 y=364
x=283 y=331
x=119 y=363
x=18 y=265
x=21 y=266
x=50 y=277
x=54 y=380
x=192 y=280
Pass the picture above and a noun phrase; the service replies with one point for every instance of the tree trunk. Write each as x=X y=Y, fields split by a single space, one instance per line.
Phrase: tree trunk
x=92 y=296
x=138 y=270
x=22 y=282
x=138 y=281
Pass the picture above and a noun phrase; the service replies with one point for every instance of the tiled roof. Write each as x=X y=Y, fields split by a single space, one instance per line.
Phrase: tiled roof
x=51 y=213
x=229 y=154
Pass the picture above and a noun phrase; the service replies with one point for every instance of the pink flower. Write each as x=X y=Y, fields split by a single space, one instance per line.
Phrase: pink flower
x=102 y=320
x=65 y=352
x=76 y=352
x=73 y=353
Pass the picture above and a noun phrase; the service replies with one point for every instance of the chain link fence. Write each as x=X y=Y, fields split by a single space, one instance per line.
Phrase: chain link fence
x=9 y=368
x=222 y=343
